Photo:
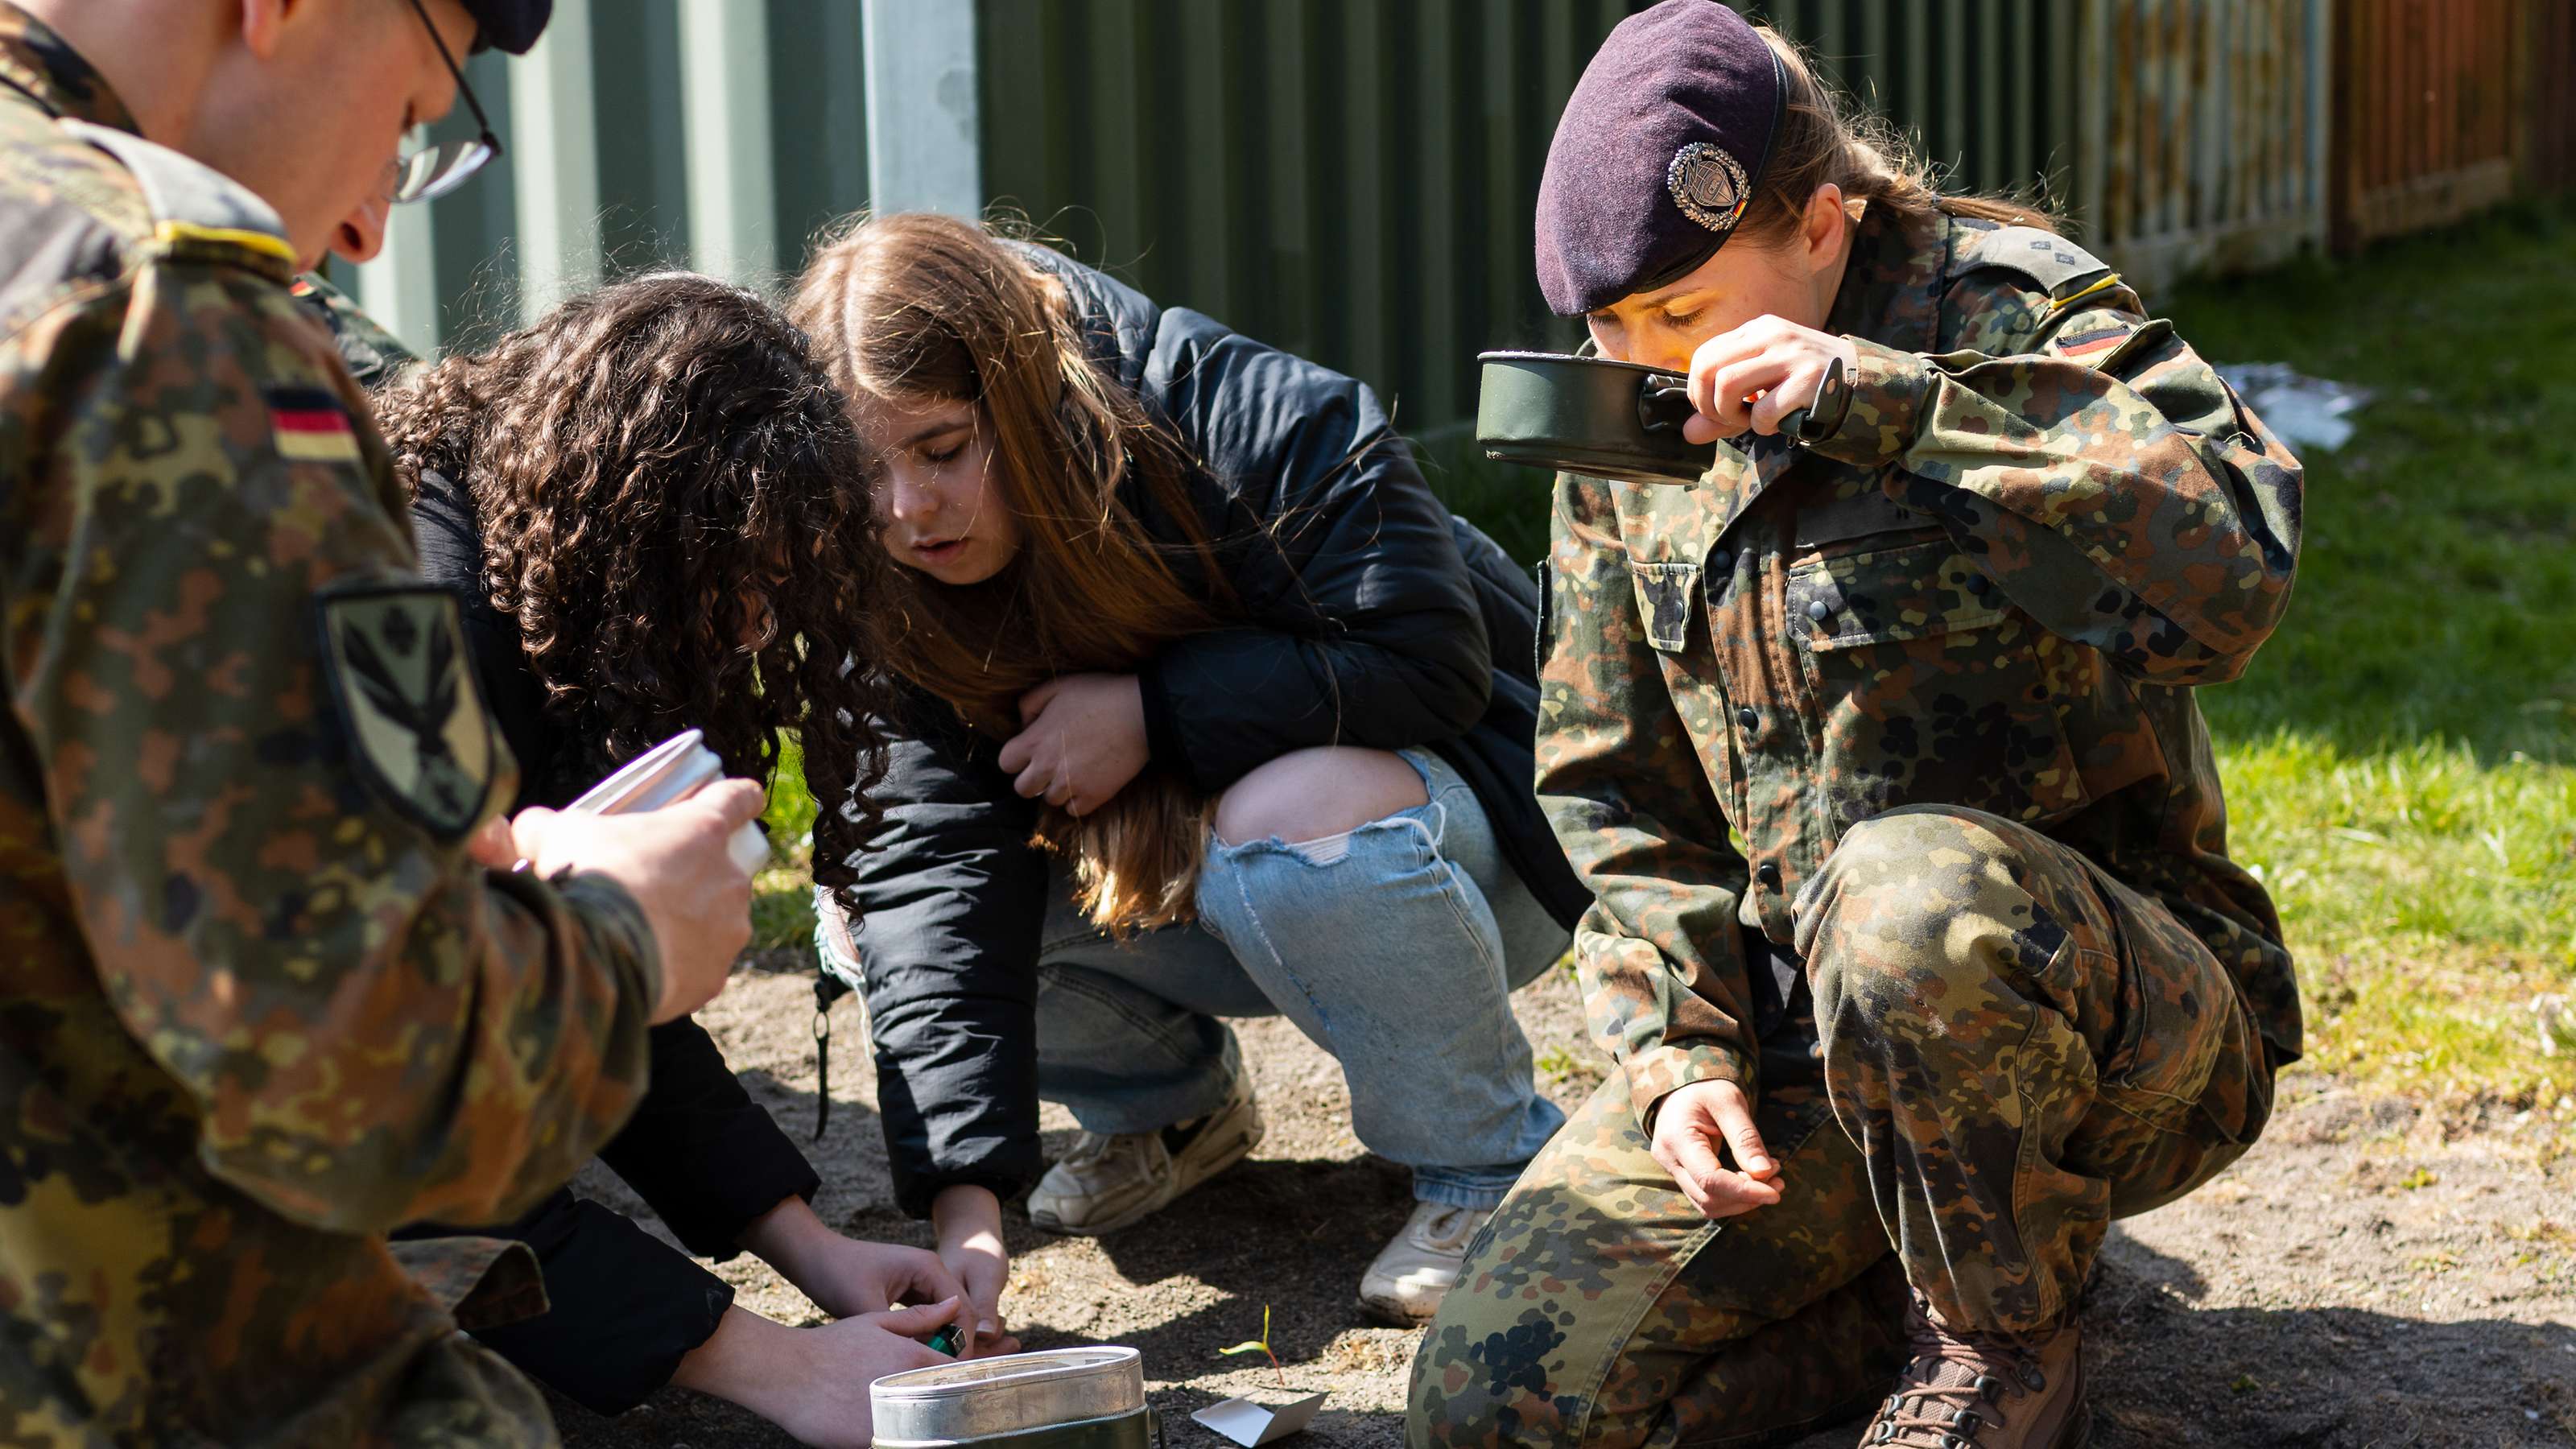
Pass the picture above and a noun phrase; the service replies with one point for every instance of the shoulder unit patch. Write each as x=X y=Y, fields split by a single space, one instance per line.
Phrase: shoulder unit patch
x=418 y=732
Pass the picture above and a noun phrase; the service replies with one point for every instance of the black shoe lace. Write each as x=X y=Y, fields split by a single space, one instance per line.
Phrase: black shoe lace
x=1938 y=1409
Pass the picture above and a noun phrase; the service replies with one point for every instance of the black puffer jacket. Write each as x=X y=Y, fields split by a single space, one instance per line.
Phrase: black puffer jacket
x=1372 y=618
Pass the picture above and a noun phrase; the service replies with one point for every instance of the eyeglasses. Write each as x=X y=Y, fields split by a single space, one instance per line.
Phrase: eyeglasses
x=437 y=169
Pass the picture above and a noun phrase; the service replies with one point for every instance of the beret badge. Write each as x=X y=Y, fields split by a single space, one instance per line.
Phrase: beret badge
x=1708 y=185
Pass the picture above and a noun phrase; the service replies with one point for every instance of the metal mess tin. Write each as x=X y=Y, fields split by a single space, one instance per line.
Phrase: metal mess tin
x=1061 y=1398
x=1599 y=418
x=1588 y=415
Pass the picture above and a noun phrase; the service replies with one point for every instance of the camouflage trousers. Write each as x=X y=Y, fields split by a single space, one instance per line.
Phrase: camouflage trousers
x=2016 y=1049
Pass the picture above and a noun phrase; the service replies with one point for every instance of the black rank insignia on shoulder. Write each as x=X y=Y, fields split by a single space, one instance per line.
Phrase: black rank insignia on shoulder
x=418 y=732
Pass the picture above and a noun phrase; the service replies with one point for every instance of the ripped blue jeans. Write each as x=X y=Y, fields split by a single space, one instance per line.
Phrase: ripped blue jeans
x=1394 y=947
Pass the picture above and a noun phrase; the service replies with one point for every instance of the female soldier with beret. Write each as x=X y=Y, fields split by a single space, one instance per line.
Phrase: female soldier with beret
x=1914 y=933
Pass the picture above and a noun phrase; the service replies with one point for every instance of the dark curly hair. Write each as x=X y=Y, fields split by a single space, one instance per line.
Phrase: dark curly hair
x=674 y=510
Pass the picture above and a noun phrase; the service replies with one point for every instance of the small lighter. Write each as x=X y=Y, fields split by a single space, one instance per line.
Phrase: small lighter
x=945 y=1340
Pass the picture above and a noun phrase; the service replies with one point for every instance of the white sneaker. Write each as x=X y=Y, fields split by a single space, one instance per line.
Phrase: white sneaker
x=1414 y=1271
x=1109 y=1181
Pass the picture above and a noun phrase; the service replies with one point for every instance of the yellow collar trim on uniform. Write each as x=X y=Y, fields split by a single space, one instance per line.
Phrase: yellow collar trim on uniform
x=2062 y=303
x=170 y=232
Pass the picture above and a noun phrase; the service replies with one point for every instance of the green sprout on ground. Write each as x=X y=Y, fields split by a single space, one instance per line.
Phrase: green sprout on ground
x=1261 y=1346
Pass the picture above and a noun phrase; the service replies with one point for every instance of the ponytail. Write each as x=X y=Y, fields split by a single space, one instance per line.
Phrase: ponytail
x=1825 y=137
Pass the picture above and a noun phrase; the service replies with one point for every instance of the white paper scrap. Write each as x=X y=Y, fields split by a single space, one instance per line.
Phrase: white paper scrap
x=1248 y=1423
x=2302 y=411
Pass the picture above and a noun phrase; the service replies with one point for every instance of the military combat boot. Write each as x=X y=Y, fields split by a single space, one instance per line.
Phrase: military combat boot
x=1967 y=1390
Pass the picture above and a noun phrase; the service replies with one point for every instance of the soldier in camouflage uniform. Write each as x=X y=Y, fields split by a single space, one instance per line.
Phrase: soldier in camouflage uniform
x=1915 y=936
x=260 y=1005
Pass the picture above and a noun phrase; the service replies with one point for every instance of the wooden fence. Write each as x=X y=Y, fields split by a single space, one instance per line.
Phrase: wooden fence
x=2549 y=155
x=2175 y=135
x=2426 y=111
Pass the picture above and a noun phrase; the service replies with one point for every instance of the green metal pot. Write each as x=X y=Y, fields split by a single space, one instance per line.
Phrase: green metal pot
x=1063 y=1398
x=1588 y=415
x=1599 y=418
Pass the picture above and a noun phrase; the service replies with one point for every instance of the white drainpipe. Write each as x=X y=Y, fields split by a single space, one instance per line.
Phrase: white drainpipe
x=733 y=191
x=923 y=149
x=554 y=156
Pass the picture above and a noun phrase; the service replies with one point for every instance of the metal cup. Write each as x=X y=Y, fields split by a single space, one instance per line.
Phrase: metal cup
x=662 y=775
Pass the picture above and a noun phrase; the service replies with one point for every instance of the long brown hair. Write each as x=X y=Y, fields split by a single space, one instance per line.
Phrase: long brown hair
x=1827 y=136
x=659 y=472
x=922 y=307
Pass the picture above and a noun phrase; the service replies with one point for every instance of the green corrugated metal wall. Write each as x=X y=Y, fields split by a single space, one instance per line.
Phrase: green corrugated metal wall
x=1350 y=179
x=1353 y=179
x=818 y=119
x=1978 y=80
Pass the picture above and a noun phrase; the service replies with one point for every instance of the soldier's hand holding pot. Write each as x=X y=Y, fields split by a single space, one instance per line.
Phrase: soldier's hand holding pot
x=676 y=864
x=1776 y=363
x=1700 y=1130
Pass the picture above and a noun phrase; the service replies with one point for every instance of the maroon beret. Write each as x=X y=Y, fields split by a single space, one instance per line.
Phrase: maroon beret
x=511 y=25
x=1658 y=151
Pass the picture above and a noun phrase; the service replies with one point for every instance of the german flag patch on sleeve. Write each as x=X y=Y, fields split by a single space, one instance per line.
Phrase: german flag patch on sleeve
x=2085 y=343
x=2102 y=343
x=311 y=425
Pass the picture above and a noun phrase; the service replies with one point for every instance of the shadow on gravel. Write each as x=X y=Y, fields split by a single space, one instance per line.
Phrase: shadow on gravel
x=2167 y=1372
x=1293 y=1236
x=2168 y=1368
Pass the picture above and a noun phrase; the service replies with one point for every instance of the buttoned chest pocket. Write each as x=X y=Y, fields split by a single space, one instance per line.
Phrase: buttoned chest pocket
x=1929 y=687
x=1666 y=595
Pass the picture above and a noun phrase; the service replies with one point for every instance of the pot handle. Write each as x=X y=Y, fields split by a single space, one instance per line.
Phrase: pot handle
x=1663 y=402
x=1663 y=405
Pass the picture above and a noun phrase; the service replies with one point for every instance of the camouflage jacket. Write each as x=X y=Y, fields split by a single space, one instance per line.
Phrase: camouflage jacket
x=2042 y=522
x=375 y=357
x=257 y=1008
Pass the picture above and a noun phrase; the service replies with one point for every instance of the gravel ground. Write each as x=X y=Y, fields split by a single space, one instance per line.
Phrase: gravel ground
x=2371 y=1274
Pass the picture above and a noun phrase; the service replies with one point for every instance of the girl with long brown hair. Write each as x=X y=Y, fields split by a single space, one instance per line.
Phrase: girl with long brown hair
x=1210 y=710
x=654 y=509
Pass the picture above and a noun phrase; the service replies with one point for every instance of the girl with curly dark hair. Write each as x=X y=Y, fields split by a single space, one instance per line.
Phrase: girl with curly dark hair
x=654 y=505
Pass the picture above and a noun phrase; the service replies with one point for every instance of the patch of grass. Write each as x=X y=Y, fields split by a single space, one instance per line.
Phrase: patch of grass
x=2438 y=578
x=790 y=816
x=782 y=896
x=782 y=907
x=2429 y=897
x=1556 y=1063
x=2401 y=759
